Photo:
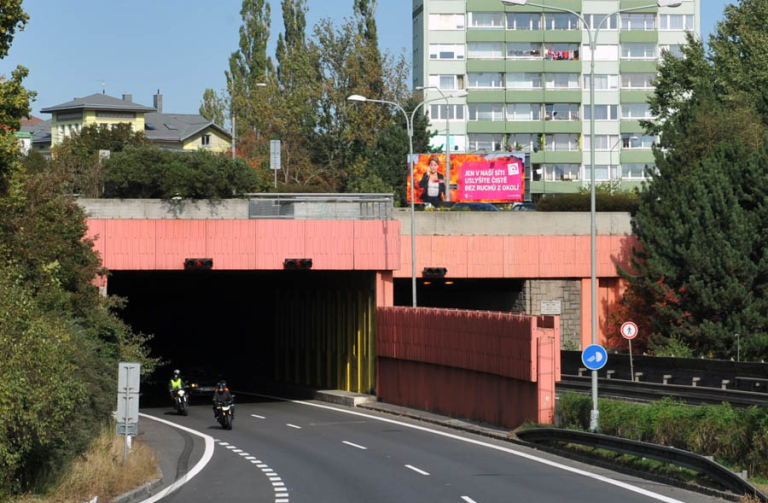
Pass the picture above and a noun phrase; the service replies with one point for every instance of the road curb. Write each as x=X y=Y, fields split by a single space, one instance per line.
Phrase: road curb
x=141 y=492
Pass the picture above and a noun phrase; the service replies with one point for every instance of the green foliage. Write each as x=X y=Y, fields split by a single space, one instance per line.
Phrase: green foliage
x=604 y=201
x=12 y=18
x=735 y=437
x=213 y=107
x=153 y=173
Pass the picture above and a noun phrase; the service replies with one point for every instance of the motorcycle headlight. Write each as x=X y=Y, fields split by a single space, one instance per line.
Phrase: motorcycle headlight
x=181 y=392
x=225 y=407
x=193 y=385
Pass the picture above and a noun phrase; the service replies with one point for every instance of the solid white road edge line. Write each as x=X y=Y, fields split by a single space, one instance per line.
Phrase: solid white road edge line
x=354 y=445
x=468 y=499
x=416 y=470
x=293 y=426
x=623 y=485
x=258 y=417
x=207 y=455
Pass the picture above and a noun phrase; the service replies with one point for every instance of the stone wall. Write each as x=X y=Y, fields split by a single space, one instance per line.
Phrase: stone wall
x=568 y=293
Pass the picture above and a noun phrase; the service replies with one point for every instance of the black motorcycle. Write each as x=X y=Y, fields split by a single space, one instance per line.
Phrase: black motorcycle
x=225 y=413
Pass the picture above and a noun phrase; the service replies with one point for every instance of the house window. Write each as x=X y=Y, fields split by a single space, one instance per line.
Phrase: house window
x=561 y=112
x=446 y=22
x=446 y=51
x=523 y=50
x=525 y=142
x=561 y=142
x=524 y=81
x=637 y=141
x=561 y=22
x=447 y=82
x=485 y=50
x=676 y=22
x=523 y=112
x=205 y=140
x=636 y=111
x=602 y=53
x=561 y=52
x=601 y=172
x=519 y=21
x=638 y=51
x=637 y=80
x=458 y=143
x=486 y=20
x=594 y=20
x=486 y=112
x=487 y=142
x=674 y=49
x=637 y=171
x=562 y=81
x=604 y=142
x=602 y=112
x=603 y=82
x=453 y=112
x=485 y=81
x=561 y=172
x=638 y=22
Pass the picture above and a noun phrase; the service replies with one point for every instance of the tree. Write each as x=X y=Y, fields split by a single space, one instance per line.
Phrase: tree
x=13 y=18
x=213 y=108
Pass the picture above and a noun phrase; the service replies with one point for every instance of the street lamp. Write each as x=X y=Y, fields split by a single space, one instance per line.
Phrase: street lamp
x=595 y=415
x=610 y=159
x=409 y=127
x=447 y=139
x=232 y=113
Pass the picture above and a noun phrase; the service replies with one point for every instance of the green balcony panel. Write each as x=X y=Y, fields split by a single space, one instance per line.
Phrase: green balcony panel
x=632 y=127
x=635 y=96
x=528 y=127
x=562 y=96
x=486 y=65
x=524 y=65
x=574 y=5
x=525 y=36
x=631 y=4
x=485 y=127
x=651 y=37
x=641 y=66
x=537 y=157
x=631 y=185
x=486 y=97
x=555 y=187
x=524 y=97
x=573 y=36
x=484 y=6
x=562 y=66
x=563 y=157
x=475 y=35
x=563 y=126
x=642 y=156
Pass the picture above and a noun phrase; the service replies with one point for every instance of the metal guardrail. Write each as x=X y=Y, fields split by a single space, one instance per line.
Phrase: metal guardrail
x=649 y=392
x=720 y=474
x=321 y=206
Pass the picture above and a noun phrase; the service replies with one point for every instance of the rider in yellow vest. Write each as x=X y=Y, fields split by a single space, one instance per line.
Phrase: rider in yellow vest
x=176 y=382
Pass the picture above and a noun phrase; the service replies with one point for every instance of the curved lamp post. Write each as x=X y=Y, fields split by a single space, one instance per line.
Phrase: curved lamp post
x=409 y=126
x=595 y=415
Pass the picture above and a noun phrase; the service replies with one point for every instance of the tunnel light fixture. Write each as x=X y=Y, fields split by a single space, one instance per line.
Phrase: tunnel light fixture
x=198 y=264
x=434 y=272
x=427 y=283
x=297 y=264
x=449 y=283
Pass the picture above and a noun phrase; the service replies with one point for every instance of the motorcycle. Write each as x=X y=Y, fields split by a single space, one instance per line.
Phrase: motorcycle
x=225 y=414
x=181 y=402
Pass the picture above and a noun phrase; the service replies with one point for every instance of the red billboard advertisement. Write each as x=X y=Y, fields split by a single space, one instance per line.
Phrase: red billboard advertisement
x=491 y=178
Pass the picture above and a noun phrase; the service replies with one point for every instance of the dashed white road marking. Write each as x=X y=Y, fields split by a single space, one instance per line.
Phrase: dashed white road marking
x=468 y=499
x=237 y=450
x=257 y=416
x=354 y=445
x=249 y=458
x=410 y=467
x=293 y=426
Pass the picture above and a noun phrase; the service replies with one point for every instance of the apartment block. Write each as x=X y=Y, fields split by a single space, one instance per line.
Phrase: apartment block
x=527 y=72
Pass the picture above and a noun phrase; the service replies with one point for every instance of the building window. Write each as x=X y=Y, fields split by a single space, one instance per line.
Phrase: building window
x=674 y=49
x=637 y=80
x=638 y=51
x=604 y=142
x=446 y=51
x=601 y=173
x=561 y=142
x=205 y=140
x=525 y=142
x=603 y=82
x=487 y=142
x=458 y=143
x=602 y=53
x=638 y=22
x=636 y=141
x=485 y=50
x=454 y=112
x=561 y=21
x=447 y=82
x=563 y=81
x=486 y=20
x=523 y=112
x=602 y=112
x=524 y=81
x=676 y=22
x=637 y=171
x=485 y=81
x=636 y=111
x=561 y=52
x=561 y=172
x=486 y=112
x=561 y=112
x=446 y=21
x=523 y=50
x=519 y=21
x=611 y=24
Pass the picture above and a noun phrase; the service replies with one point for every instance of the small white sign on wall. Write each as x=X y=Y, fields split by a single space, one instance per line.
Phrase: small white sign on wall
x=551 y=307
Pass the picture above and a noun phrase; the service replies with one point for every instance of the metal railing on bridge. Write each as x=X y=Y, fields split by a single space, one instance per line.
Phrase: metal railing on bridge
x=321 y=206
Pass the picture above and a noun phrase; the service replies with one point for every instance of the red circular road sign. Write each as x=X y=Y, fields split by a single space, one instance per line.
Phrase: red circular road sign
x=628 y=330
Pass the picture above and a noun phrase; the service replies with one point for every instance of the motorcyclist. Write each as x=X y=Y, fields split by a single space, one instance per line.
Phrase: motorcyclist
x=221 y=396
x=175 y=384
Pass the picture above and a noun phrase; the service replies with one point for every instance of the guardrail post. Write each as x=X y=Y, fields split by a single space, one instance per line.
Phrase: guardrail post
x=638 y=375
x=724 y=384
x=694 y=381
x=609 y=374
x=667 y=378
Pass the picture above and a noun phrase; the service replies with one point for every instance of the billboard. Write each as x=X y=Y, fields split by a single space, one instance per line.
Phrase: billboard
x=490 y=178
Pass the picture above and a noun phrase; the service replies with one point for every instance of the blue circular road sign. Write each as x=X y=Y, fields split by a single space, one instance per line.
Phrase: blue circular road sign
x=594 y=357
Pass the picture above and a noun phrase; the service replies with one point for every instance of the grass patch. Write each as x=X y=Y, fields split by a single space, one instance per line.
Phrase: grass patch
x=100 y=471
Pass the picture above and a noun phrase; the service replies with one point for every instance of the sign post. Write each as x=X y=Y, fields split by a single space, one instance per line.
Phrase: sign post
x=594 y=357
x=274 y=157
x=629 y=332
x=128 y=382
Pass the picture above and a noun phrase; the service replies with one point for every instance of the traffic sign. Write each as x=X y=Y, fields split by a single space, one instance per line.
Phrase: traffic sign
x=629 y=330
x=594 y=357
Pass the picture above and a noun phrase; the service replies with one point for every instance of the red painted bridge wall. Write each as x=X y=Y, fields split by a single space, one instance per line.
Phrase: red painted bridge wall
x=499 y=368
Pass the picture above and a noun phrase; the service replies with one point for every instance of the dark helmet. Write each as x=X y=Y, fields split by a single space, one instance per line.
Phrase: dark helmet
x=222 y=385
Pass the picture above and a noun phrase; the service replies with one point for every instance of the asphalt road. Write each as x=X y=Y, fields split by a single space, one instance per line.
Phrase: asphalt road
x=309 y=452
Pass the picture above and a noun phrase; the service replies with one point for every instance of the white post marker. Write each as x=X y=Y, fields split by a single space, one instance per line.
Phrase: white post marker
x=629 y=332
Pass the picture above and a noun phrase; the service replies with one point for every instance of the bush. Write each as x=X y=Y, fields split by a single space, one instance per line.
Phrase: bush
x=620 y=201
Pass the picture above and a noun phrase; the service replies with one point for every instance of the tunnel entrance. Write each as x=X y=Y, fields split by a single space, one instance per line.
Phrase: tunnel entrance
x=313 y=328
x=463 y=293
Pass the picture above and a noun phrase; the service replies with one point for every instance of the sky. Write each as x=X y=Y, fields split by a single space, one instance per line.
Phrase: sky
x=181 y=47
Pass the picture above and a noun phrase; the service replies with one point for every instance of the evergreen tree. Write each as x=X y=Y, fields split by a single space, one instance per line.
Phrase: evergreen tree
x=213 y=108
